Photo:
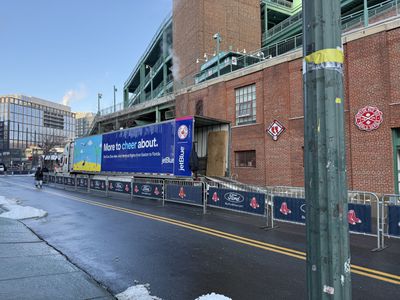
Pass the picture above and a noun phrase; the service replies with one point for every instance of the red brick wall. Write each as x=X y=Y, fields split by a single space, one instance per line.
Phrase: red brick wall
x=196 y=21
x=372 y=77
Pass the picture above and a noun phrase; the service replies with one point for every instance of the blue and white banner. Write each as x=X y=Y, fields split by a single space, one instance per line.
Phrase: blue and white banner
x=290 y=209
x=148 y=190
x=119 y=186
x=97 y=184
x=162 y=148
x=394 y=220
x=70 y=181
x=359 y=218
x=294 y=210
x=82 y=182
x=185 y=194
x=237 y=200
x=183 y=146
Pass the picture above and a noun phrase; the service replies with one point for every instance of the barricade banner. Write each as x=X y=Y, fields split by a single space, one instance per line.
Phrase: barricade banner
x=394 y=220
x=290 y=209
x=52 y=178
x=359 y=217
x=294 y=210
x=119 y=186
x=97 y=184
x=70 y=181
x=237 y=200
x=82 y=182
x=45 y=178
x=185 y=194
x=148 y=190
x=59 y=180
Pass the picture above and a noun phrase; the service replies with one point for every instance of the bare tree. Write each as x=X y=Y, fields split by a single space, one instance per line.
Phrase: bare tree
x=49 y=142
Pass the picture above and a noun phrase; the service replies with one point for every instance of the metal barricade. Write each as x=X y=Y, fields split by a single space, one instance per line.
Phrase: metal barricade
x=82 y=182
x=120 y=185
x=98 y=183
x=391 y=215
x=69 y=181
x=151 y=188
x=248 y=199
x=288 y=204
x=185 y=192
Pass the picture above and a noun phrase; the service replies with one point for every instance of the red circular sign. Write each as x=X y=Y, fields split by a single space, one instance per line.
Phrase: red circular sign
x=369 y=118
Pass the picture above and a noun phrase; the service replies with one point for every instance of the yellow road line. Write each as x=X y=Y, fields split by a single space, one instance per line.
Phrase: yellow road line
x=371 y=273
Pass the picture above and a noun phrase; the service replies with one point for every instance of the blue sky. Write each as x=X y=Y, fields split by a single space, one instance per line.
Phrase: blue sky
x=74 y=49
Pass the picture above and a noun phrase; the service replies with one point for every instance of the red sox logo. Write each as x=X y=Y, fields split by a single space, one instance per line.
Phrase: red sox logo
x=183 y=132
x=369 y=118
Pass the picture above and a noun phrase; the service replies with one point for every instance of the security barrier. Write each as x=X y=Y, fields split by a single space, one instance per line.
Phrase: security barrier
x=148 y=188
x=97 y=183
x=119 y=185
x=363 y=214
x=391 y=215
x=82 y=182
x=236 y=200
x=367 y=214
x=186 y=192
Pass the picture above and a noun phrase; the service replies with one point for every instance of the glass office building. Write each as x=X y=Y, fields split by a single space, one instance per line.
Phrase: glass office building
x=29 y=122
x=83 y=122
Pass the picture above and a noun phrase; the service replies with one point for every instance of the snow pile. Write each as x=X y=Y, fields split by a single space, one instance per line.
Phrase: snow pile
x=213 y=296
x=137 y=292
x=18 y=212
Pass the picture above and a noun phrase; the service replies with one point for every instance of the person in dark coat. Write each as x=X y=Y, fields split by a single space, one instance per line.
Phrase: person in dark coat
x=39 y=178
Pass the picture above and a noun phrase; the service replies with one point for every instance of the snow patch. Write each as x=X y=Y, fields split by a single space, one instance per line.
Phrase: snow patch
x=213 y=296
x=18 y=212
x=137 y=292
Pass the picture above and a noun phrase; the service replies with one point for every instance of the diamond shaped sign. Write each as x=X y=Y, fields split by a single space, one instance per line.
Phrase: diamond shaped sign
x=275 y=129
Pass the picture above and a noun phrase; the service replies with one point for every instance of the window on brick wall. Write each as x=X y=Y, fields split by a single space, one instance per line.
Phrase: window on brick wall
x=246 y=105
x=245 y=159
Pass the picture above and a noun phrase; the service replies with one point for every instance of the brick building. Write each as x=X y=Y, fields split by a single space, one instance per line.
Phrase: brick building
x=273 y=90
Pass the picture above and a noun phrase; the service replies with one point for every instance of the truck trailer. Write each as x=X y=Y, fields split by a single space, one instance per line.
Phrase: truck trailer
x=181 y=148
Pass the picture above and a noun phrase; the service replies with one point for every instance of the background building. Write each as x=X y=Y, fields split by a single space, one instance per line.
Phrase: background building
x=83 y=123
x=250 y=74
x=30 y=127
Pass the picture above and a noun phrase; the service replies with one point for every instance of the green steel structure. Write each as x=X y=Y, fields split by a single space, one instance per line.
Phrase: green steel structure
x=281 y=22
x=152 y=76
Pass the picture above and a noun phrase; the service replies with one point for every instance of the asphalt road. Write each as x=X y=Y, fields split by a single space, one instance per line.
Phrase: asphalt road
x=183 y=254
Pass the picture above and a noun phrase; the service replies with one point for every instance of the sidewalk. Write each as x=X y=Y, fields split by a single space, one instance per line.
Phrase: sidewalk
x=31 y=269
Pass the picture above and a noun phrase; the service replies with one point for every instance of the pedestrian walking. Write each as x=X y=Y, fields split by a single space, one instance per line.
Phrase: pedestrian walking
x=39 y=178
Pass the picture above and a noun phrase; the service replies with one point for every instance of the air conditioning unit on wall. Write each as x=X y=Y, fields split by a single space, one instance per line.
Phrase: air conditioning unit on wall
x=169 y=114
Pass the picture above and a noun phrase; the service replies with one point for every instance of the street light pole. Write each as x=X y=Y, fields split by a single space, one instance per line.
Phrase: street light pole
x=151 y=80
x=217 y=37
x=99 y=96
x=115 y=103
x=328 y=253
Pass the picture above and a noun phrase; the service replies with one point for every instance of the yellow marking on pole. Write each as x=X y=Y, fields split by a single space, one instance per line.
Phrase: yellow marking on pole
x=338 y=100
x=325 y=56
x=371 y=273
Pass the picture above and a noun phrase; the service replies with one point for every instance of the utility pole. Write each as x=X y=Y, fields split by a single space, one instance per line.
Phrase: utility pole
x=99 y=96
x=328 y=254
x=217 y=37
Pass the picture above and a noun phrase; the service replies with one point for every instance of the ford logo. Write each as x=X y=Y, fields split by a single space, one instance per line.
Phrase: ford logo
x=303 y=208
x=234 y=197
x=146 y=189
x=119 y=185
